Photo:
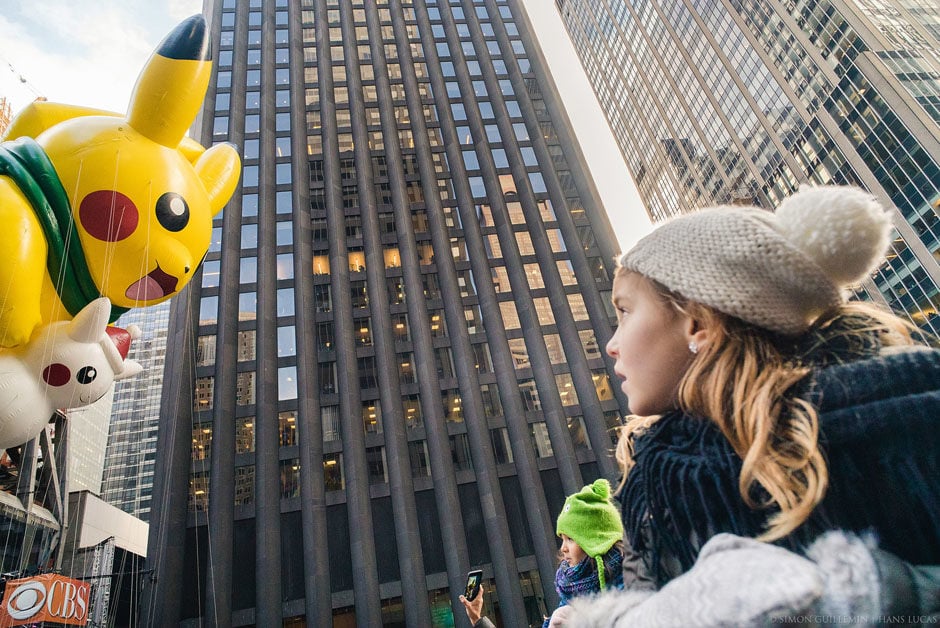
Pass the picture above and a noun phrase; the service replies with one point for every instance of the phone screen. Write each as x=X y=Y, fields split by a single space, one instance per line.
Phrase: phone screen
x=473 y=584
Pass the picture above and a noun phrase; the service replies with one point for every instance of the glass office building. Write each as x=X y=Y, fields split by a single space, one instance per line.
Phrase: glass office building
x=740 y=101
x=127 y=481
x=390 y=369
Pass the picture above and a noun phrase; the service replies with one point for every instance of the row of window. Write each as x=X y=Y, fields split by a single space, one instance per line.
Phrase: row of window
x=287 y=346
x=204 y=387
x=376 y=461
x=356 y=259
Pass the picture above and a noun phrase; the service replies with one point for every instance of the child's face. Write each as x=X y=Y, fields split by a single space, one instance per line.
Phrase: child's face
x=571 y=551
x=650 y=346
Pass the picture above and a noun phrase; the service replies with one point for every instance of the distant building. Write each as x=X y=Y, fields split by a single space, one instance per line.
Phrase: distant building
x=742 y=101
x=33 y=502
x=6 y=111
x=127 y=482
x=390 y=368
x=106 y=548
x=88 y=440
x=6 y=114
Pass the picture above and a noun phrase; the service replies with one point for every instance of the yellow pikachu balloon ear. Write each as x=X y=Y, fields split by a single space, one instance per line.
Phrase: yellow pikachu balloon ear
x=219 y=169
x=172 y=85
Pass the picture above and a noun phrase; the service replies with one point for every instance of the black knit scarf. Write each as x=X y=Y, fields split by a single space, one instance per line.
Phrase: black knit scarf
x=880 y=431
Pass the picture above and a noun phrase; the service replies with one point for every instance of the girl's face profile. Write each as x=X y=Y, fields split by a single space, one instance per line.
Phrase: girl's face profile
x=571 y=551
x=650 y=345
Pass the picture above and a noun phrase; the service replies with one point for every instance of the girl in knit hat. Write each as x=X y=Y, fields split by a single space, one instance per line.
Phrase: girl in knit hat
x=591 y=546
x=764 y=404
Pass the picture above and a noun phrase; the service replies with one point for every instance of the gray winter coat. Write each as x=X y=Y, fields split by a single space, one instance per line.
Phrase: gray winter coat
x=737 y=581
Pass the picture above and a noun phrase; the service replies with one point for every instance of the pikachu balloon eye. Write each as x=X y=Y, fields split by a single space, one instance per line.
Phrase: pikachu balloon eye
x=172 y=211
x=108 y=215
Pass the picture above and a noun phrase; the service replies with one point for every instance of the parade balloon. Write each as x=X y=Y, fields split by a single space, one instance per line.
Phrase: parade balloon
x=68 y=364
x=99 y=204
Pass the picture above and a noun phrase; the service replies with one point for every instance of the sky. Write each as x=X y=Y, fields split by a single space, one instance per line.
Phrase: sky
x=89 y=52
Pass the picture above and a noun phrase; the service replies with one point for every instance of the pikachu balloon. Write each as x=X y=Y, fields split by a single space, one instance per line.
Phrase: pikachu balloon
x=95 y=204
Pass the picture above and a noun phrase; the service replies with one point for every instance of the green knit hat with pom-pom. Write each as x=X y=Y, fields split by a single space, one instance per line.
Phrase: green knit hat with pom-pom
x=590 y=519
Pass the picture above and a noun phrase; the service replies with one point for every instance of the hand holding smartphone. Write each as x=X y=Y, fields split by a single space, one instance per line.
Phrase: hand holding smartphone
x=474 y=578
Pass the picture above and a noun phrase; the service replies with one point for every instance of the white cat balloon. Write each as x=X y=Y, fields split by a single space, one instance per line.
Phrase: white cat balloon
x=68 y=364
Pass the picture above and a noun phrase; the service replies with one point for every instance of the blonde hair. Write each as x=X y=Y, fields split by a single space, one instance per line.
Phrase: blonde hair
x=743 y=379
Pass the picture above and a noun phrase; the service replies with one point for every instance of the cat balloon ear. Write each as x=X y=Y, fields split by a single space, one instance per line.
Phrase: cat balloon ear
x=91 y=321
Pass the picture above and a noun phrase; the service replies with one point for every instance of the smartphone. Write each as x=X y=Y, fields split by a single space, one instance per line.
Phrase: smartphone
x=474 y=578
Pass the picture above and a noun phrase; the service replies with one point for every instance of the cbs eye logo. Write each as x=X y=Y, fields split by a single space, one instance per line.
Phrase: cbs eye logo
x=26 y=600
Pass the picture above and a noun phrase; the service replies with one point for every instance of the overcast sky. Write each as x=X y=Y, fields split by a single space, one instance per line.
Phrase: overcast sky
x=88 y=52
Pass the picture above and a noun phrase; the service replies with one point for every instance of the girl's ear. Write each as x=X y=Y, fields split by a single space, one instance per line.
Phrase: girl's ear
x=697 y=331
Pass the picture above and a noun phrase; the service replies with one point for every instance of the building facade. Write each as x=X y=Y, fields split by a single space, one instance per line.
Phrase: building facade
x=88 y=441
x=6 y=114
x=390 y=369
x=742 y=101
x=127 y=481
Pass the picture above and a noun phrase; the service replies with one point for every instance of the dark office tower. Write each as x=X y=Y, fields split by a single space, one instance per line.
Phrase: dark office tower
x=391 y=369
x=742 y=101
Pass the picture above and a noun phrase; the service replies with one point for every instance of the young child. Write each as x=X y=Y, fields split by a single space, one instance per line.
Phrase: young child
x=591 y=550
x=591 y=546
x=765 y=405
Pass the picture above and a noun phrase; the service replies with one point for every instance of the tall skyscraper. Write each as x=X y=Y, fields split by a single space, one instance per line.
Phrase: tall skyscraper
x=127 y=482
x=391 y=367
x=742 y=101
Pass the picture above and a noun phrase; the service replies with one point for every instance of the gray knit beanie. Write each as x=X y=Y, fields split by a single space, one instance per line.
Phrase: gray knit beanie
x=778 y=271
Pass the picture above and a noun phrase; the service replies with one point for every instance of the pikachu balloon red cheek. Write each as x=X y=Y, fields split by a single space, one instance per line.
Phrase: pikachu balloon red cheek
x=108 y=215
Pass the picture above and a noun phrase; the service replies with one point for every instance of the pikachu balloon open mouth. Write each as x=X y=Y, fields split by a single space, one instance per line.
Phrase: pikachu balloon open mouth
x=155 y=285
x=98 y=204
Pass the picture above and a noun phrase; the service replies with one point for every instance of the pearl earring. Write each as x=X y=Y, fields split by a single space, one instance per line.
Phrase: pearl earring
x=693 y=346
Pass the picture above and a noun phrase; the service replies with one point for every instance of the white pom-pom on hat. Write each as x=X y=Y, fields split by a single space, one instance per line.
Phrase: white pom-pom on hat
x=844 y=230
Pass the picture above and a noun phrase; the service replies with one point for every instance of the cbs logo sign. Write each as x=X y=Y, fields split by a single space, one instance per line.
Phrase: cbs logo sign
x=46 y=598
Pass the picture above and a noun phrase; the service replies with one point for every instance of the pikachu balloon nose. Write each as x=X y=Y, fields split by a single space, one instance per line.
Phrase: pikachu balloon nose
x=98 y=204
